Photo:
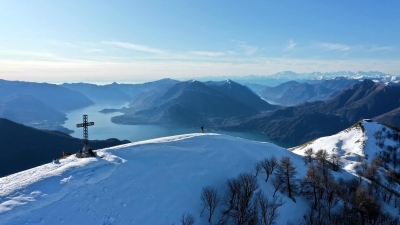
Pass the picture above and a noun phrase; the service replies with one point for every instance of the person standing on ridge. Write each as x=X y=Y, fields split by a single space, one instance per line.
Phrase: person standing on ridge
x=202 y=129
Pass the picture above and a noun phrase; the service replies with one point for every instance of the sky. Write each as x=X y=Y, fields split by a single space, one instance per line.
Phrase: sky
x=141 y=40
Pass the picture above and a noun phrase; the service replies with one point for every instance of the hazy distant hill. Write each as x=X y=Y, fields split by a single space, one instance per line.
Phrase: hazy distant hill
x=30 y=111
x=340 y=83
x=99 y=93
x=293 y=92
x=134 y=89
x=59 y=98
x=190 y=103
x=285 y=76
x=242 y=94
x=24 y=147
x=256 y=88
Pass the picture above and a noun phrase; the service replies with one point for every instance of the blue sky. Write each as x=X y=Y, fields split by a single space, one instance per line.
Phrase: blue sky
x=102 y=41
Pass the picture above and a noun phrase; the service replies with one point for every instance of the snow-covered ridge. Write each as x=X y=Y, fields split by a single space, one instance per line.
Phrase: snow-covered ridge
x=351 y=145
x=156 y=181
x=147 y=182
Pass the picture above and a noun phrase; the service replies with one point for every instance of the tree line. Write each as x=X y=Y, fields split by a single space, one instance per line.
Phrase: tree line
x=355 y=201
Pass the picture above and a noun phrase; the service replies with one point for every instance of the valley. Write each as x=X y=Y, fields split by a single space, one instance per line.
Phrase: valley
x=199 y=112
x=318 y=127
x=104 y=128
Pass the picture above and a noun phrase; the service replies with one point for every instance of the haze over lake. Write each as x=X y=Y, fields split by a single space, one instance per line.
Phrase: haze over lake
x=104 y=128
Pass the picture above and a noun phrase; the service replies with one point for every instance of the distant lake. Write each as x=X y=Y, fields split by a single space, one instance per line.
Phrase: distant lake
x=103 y=127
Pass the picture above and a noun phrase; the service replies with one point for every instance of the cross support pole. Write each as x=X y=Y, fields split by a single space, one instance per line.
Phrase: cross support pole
x=85 y=126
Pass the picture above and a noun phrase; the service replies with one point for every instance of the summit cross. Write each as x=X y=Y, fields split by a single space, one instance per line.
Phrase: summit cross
x=85 y=126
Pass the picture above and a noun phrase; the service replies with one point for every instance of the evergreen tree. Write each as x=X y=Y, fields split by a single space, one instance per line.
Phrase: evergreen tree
x=286 y=172
x=312 y=185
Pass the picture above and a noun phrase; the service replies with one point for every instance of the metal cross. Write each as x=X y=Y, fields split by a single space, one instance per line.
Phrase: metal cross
x=85 y=125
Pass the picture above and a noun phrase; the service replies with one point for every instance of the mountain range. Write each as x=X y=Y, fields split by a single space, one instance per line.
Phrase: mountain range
x=193 y=103
x=111 y=93
x=352 y=156
x=99 y=93
x=39 y=105
x=285 y=76
x=30 y=111
x=58 y=97
x=318 y=107
x=302 y=123
x=43 y=105
x=294 y=92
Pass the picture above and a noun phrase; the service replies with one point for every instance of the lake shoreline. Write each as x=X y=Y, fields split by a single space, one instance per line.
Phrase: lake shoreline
x=104 y=128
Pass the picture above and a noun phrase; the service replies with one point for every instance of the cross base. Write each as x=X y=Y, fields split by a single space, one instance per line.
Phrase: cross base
x=86 y=152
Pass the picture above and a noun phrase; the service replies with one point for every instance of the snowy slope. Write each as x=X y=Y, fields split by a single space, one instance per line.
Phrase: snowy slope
x=148 y=182
x=356 y=141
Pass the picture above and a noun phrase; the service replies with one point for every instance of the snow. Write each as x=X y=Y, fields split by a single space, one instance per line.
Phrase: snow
x=347 y=144
x=350 y=144
x=156 y=181
x=147 y=182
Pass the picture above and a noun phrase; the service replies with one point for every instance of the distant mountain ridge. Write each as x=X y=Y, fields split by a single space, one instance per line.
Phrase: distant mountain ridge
x=30 y=111
x=58 y=97
x=299 y=124
x=39 y=105
x=285 y=76
x=134 y=89
x=294 y=92
x=193 y=103
x=331 y=75
x=118 y=92
x=99 y=93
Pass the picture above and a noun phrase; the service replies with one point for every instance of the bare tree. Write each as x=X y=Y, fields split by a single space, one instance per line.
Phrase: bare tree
x=187 y=219
x=277 y=184
x=360 y=174
x=335 y=160
x=309 y=217
x=232 y=194
x=210 y=200
x=368 y=208
x=308 y=154
x=322 y=157
x=331 y=195
x=269 y=165
x=268 y=208
x=286 y=172
x=257 y=168
x=312 y=185
x=239 y=199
